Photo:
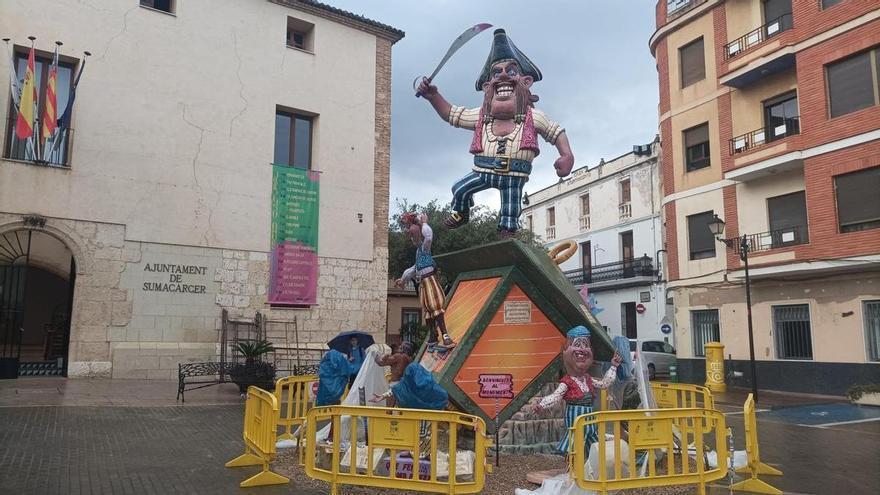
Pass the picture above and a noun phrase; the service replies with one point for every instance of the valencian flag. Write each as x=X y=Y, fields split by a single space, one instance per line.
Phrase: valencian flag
x=24 y=126
x=50 y=105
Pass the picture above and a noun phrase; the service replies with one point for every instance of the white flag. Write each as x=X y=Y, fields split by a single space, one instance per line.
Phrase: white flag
x=14 y=84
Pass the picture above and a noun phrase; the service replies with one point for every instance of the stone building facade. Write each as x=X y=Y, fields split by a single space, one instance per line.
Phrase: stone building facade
x=157 y=216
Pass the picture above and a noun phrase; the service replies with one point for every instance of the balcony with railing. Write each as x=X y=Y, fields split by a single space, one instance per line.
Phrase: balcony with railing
x=584 y=223
x=625 y=211
x=775 y=239
x=635 y=271
x=53 y=152
x=757 y=36
x=550 y=233
x=764 y=135
x=678 y=8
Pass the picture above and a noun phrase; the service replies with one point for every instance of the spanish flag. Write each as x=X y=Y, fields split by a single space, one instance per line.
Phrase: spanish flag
x=24 y=127
x=50 y=105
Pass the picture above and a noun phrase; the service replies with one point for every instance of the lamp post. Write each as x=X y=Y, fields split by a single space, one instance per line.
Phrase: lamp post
x=716 y=226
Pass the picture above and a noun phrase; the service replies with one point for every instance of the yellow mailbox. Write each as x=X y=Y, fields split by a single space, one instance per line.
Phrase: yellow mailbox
x=715 y=367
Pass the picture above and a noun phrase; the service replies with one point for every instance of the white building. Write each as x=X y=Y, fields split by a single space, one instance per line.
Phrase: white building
x=163 y=211
x=612 y=212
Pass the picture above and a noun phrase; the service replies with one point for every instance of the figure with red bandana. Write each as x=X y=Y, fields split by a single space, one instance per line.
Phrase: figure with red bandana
x=505 y=128
x=577 y=388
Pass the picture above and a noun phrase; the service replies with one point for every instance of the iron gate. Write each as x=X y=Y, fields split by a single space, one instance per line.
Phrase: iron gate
x=14 y=247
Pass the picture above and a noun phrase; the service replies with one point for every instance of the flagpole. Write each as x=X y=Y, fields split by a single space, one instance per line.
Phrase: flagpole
x=13 y=77
x=50 y=139
x=33 y=136
x=64 y=119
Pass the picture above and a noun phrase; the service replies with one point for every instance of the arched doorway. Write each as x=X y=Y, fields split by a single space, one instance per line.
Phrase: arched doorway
x=37 y=276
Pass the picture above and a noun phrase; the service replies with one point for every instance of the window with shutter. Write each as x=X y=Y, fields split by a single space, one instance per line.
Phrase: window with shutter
x=693 y=63
x=853 y=83
x=781 y=116
x=163 y=5
x=829 y=3
x=701 y=242
x=551 y=217
x=777 y=16
x=625 y=192
x=788 y=219
x=858 y=200
x=696 y=145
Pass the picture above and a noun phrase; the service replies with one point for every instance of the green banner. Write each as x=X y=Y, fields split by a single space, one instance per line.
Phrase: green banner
x=294 y=269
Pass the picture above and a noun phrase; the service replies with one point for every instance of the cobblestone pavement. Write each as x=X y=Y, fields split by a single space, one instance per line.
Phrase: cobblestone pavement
x=122 y=450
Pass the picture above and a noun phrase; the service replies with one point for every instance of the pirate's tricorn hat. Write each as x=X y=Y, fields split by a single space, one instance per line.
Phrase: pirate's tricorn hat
x=504 y=49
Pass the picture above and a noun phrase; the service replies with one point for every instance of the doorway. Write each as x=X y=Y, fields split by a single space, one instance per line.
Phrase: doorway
x=626 y=253
x=628 y=320
x=587 y=261
x=37 y=276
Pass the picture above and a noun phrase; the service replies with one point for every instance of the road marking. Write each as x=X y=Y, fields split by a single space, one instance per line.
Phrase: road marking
x=716 y=485
x=825 y=425
x=734 y=413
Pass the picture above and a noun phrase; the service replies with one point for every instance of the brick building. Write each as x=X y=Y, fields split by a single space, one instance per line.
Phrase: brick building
x=121 y=247
x=770 y=119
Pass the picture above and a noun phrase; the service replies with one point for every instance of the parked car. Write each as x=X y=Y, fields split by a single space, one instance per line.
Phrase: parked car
x=657 y=354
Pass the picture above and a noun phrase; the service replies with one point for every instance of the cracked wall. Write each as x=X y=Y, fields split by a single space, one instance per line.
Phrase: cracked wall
x=171 y=166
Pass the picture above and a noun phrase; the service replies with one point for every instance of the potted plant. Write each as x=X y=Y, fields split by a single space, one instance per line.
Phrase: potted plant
x=867 y=395
x=254 y=371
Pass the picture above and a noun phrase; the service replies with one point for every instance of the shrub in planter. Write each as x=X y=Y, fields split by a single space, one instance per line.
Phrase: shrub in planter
x=253 y=371
x=856 y=392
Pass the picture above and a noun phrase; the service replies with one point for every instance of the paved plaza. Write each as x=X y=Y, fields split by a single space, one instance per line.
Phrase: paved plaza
x=130 y=437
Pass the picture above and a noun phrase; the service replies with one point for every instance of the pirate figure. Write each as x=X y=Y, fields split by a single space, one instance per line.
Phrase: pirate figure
x=577 y=388
x=505 y=129
x=424 y=273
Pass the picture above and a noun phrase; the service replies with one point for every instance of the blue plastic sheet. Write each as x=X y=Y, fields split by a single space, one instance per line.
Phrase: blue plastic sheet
x=626 y=368
x=332 y=378
x=418 y=390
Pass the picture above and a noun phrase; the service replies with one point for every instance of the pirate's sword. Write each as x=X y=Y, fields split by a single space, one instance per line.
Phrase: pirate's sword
x=458 y=43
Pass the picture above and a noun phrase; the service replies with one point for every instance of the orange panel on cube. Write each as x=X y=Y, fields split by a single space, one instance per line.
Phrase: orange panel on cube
x=521 y=344
x=469 y=298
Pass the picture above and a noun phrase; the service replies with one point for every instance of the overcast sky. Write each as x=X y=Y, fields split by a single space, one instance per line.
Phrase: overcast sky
x=599 y=82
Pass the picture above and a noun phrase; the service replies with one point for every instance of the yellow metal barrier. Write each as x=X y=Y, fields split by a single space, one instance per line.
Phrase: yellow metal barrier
x=394 y=437
x=682 y=395
x=649 y=435
x=260 y=423
x=296 y=395
x=755 y=466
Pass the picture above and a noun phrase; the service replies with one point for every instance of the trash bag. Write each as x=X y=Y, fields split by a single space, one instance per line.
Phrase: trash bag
x=418 y=390
x=332 y=378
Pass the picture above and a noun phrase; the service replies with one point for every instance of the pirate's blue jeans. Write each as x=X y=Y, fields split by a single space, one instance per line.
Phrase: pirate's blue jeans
x=510 y=187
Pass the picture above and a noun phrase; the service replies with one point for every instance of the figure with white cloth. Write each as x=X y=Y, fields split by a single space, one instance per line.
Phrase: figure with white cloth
x=371 y=378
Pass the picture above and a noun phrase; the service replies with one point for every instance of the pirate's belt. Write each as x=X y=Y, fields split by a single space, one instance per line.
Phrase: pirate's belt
x=503 y=164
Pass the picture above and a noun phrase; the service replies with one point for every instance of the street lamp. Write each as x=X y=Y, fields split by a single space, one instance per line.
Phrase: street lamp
x=716 y=226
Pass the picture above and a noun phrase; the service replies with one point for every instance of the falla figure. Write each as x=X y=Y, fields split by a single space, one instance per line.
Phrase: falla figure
x=506 y=127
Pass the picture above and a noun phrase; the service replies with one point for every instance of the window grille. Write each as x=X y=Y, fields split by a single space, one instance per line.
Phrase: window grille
x=791 y=325
x=705 y=328
x=872 y=329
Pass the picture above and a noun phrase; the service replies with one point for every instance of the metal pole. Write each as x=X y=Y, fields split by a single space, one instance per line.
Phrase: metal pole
x=744 y=255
